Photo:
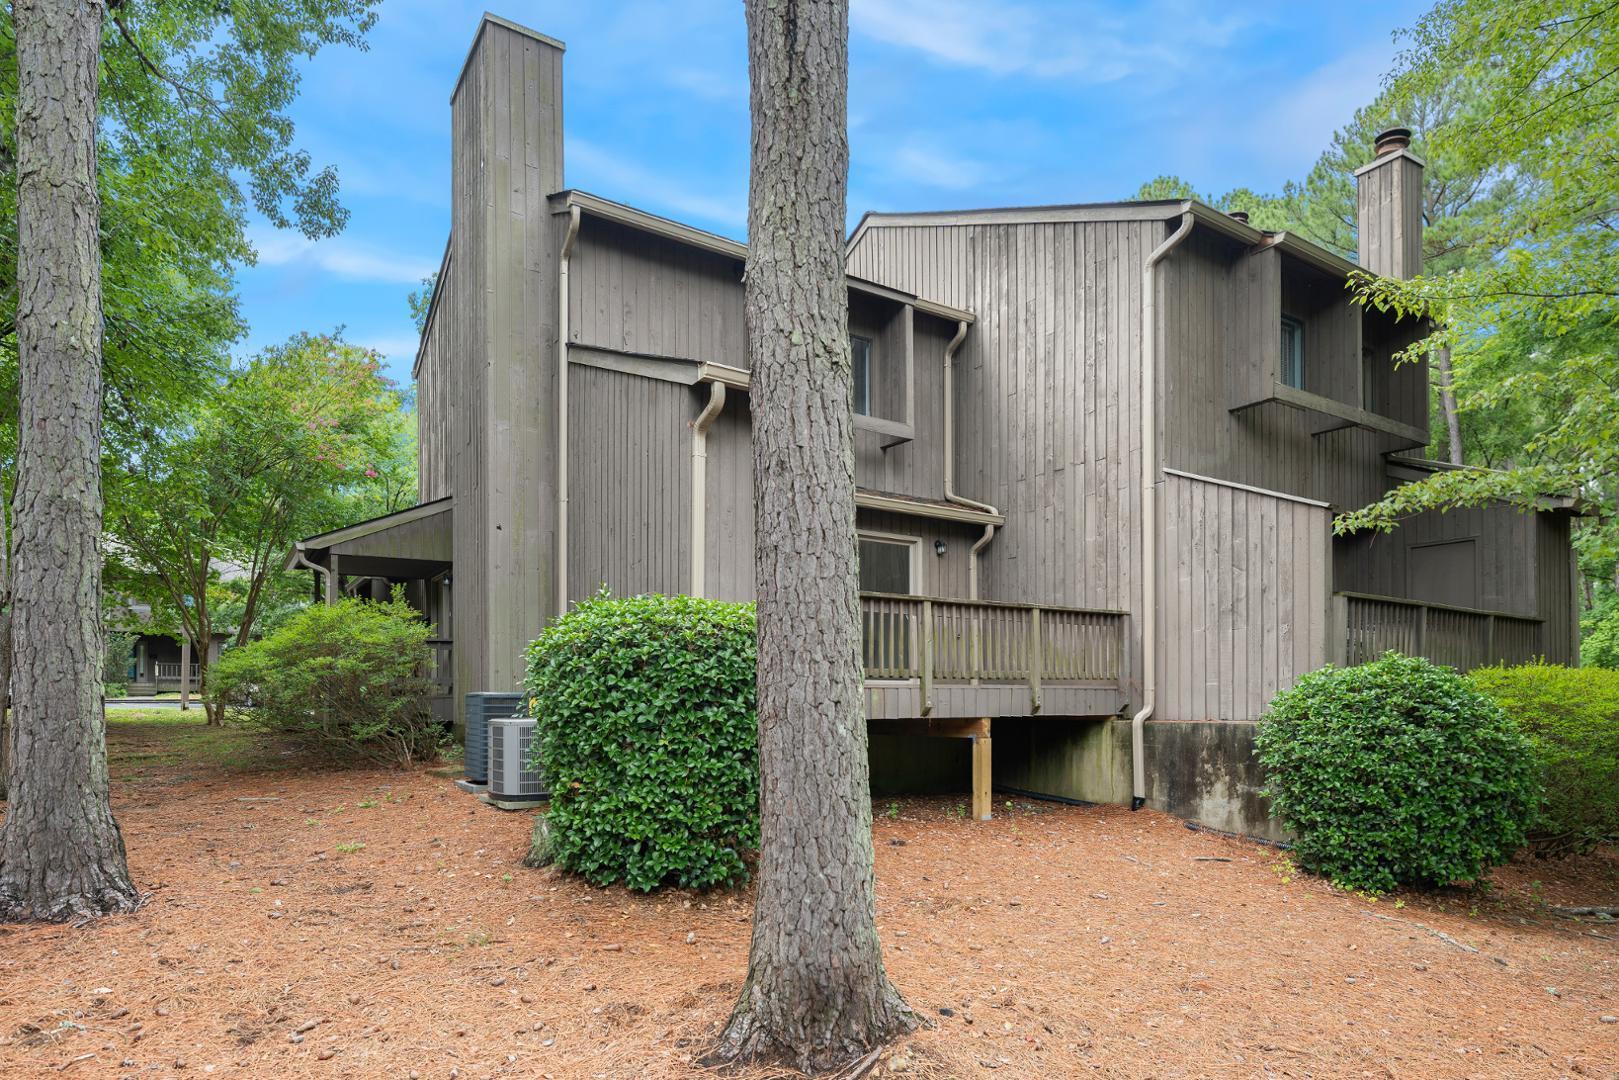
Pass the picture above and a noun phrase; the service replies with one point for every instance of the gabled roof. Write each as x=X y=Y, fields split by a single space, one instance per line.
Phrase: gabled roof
x=366 y=528
x=607 y=210
x=1126 y=210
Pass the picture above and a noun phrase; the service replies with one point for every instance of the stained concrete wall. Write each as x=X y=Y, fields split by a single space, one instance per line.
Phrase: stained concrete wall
x=1204 y=772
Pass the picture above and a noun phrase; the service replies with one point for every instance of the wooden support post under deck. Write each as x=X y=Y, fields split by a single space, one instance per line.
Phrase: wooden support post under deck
x=976 y=732
x=982 y=801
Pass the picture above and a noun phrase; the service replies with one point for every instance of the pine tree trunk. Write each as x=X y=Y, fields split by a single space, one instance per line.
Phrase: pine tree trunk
x=61 y=855
x=816 y=993
x=1447 y=403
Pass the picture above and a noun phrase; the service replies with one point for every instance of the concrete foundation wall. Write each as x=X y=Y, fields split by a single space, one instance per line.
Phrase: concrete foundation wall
x=1204 y=772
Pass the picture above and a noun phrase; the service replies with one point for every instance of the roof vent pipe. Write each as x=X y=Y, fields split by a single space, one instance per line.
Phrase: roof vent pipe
x=1149 y=508
x=1392 y=140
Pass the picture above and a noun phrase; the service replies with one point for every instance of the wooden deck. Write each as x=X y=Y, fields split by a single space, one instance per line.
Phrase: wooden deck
x=928 y=657
x=1463 y=638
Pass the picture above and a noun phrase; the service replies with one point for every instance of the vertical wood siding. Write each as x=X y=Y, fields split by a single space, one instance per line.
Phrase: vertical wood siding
x=1390 y=218
x=437 y=411
x=1047 y=399
x=1557 y=585
x=629 y=464
x=1505 y=545
x=631 y=291
x=488 y=401
x=1221 y=341
x=729 y=555
x=1245 y=586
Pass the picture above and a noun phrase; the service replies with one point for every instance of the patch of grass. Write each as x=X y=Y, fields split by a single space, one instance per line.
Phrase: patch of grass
x=349 y=847
x=142 y=742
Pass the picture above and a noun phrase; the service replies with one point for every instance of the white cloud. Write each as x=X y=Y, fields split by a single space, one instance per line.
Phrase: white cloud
x=614 y=177
x=916 y=162
x=338 y=256
x=1064 y=40
x=402 y=346
x=1326 y=99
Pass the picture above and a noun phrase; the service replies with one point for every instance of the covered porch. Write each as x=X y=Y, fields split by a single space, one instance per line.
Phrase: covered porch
x=412 y=549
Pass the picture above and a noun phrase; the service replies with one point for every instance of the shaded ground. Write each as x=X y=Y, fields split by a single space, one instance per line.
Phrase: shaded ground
x=389 y=911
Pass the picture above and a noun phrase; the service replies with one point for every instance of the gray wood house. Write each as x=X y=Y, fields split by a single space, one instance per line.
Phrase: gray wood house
x=1099 y=450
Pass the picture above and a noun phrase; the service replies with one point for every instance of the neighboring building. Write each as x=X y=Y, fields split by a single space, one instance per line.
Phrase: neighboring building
x=582 y=388
x=158 y=663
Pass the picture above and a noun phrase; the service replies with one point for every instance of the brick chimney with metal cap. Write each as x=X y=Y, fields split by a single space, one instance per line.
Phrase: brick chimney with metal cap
x=1390 y=207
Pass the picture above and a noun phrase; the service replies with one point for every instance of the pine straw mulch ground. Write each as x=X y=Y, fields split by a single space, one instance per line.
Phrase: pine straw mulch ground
x=307 y=923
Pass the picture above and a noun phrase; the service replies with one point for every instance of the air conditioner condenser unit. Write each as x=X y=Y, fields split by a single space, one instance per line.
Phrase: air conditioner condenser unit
x=511 y=778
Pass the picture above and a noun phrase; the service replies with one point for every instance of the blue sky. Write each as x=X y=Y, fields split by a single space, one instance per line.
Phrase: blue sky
x=952 y=103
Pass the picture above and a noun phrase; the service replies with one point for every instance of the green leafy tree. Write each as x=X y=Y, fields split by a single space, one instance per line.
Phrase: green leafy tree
x=193 y=132
x=421 y=301
x=1534 y=329
x=289 y=443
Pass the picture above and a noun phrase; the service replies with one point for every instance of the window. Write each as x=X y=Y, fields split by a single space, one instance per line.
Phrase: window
x=885 y=564
x=860 y=359
x=1292 y=352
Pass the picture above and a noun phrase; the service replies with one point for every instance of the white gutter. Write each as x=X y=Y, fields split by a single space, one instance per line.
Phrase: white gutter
x=1149 y=508
x=699 y=483
x=950 y=460
x=562 y=409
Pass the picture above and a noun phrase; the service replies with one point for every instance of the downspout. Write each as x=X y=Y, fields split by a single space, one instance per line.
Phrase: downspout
x=950 y=460
x=699 y=483
x=562 y=409
x=301 y=559
x=1149 y=510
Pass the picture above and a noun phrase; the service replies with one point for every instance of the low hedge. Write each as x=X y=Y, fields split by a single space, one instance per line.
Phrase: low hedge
x=648 y=736
x=1396 y=772
x=1571 y=717
x=344 y=679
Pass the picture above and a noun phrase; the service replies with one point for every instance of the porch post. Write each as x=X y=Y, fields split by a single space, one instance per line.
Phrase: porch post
x=185 y=671
x=333 y=579
x=982 y=800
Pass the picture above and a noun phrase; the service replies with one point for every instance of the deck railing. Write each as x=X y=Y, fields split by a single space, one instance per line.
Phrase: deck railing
x=1464 y=638
x=964 y=641
x=170 y=670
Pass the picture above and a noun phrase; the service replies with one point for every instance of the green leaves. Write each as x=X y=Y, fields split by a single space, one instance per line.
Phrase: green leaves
x=345 y=679
x=648 y=739
x=1571 y=717
x=1396 y=772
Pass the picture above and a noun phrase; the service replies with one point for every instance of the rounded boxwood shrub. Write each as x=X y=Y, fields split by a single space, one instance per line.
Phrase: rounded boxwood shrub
x=1396 y=772
x=1571 y=717
x=648 y=739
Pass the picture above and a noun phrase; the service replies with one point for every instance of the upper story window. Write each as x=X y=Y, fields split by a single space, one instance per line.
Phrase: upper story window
x=860 y=358
x=1292 y=352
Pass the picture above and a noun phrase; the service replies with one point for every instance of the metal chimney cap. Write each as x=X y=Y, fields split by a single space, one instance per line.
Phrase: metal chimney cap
x=1392 y=140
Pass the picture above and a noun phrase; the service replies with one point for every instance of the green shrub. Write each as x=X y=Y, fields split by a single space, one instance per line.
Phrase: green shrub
x=344 y=679
x=648 y=739
x=1571 y=717
x=1599 y=634
x=1396 y=772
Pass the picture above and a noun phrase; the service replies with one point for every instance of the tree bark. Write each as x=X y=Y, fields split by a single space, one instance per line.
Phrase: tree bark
x=61 y=854
x=1447 y=403
x=816 y=992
